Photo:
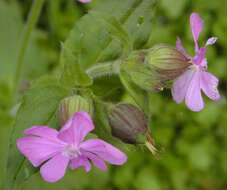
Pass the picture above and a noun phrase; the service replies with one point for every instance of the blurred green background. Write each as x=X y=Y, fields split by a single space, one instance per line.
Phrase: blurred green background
x=194 y=145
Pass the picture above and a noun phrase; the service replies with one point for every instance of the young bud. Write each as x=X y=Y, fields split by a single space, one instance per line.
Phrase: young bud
x=155 y=68
x=70 y=105
x=130 y=125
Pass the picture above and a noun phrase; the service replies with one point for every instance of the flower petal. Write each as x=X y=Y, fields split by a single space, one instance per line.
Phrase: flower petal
x=198 y=60
x=98 y=162
x=203 y=64
x=80 y=161
x=209 y=85
x=105 y=151
x=211 y=41
x=42 y=131
x=55 y=168
x=193 y=97
x=37 y=149
x=196 y=27
x=181 y=48
x=180 y=86
x=65 y=133
x=76 y=128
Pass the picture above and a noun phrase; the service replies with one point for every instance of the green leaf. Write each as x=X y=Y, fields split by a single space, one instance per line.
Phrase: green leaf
x=108 y=88
x=39 y=106
x=102 y=129
x=139 y=95
x=117 y=31
x=90 y=40
x=72 y=74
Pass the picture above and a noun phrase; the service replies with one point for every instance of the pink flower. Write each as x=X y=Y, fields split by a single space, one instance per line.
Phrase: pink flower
x=66 y=147
x=189 y=85
x=84 y=1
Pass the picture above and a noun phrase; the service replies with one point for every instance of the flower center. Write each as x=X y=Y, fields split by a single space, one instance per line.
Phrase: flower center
x=194 y=67
x=201 y=67
x=71 y=151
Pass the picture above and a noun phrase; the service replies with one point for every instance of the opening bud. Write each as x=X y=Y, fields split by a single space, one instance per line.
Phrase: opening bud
x=70 y=105
x=129 y=125
x=155 y=68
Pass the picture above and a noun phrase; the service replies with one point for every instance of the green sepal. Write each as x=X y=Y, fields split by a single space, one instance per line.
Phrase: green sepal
x=139 y=95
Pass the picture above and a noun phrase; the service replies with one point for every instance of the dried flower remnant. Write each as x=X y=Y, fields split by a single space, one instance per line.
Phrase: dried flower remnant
x=189 y=85
x=66 y=147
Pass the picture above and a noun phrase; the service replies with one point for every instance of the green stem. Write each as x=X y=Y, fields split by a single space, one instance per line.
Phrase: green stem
x=31 y=22
x=103 y=69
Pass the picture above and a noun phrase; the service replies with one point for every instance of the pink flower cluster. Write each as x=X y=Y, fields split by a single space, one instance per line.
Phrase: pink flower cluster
x=66 y=147
x=189 y=85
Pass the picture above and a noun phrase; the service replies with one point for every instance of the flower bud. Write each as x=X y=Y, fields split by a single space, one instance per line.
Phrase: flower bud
x=129 y=125
x=155 y=68
x=70 y=105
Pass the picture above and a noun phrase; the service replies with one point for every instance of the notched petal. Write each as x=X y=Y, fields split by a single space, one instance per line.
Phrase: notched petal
x=209 y=84
x=37 y=149
x=42 y=131
x=180 y=86
x=193 y=97
x=55 y=168
x=211 y=41
x=105 y=151
x=80 y=161
x=98 y=162
x=196 y=27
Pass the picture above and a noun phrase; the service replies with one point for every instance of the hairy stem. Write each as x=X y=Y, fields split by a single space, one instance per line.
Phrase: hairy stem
x=103 y=69
x=31 y=22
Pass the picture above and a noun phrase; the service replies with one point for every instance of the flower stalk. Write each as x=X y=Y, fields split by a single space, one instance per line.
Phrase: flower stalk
x=31 y=22
x=103 y=69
